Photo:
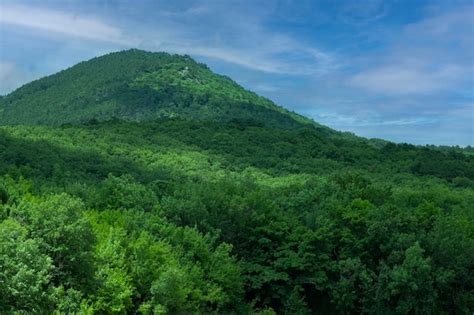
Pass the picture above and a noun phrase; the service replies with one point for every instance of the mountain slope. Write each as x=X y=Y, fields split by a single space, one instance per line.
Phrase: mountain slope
x=288 y=220
x=137 y=85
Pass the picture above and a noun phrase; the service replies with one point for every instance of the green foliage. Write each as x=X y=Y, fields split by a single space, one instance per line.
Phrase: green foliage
x=25 y=272
x=159 y=268
x=124 y=193
x=64 y=235
x=312 y=225
x=138 y=85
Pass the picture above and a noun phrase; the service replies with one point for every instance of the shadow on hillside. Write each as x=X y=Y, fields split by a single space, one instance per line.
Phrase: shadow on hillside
x=59 y=168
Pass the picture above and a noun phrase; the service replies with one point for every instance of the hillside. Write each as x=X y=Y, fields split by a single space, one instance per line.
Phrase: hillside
x=137 y=85
x=124 y=192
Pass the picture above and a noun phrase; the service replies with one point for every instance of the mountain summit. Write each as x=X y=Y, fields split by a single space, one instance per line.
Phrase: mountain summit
x=137 y=85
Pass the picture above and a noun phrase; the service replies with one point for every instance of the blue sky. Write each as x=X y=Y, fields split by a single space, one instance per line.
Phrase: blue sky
x=398 y=70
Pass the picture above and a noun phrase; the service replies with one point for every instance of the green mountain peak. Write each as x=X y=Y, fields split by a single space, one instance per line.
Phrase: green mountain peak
x=137 y=85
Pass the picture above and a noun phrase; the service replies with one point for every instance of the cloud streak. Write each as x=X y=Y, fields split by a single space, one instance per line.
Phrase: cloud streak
x=407 y=79
x=200 y=30
x=63 y=23
x=370 y=120
x=237 y=36
x=265 y=60
x=429 y=57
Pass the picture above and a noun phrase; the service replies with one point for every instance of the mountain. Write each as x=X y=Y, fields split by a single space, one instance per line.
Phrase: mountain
x=137 y=85
x=142 y=183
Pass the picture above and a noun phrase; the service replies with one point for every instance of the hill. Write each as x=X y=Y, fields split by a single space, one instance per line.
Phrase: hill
x=137 y=85
x=114 y=206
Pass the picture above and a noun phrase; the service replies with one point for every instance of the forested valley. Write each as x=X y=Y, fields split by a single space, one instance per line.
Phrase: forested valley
x=142 y=183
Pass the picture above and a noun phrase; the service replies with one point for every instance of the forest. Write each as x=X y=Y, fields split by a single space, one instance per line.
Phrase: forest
x=166 y=189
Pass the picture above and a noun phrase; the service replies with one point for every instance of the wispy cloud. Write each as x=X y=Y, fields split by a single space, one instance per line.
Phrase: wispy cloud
x=284 y=59
x=239 y=36
x=59 y=22
x=431 y=56
x=202 y=29
x=360 y=12
x=370 y=119
x=408 y=79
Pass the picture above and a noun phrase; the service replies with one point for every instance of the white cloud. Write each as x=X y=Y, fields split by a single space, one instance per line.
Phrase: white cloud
x=431 y=56
x=211 y=31
x=407 y=79
x=236 y=35
x=369 y=119
x=360 y=12
x=265 y=59
x=59 y=22
x=232 y=55
x=457 y=25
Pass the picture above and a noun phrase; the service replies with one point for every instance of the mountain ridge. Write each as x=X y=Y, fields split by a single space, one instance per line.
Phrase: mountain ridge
x=137 y=85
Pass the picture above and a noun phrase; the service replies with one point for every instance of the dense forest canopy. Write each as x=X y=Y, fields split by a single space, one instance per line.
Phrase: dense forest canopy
x=142 y=183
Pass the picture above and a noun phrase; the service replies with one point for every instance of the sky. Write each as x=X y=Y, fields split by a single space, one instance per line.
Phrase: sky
x=400 y=70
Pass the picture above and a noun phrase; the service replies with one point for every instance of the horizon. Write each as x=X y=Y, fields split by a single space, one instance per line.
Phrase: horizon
x=397 y=71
